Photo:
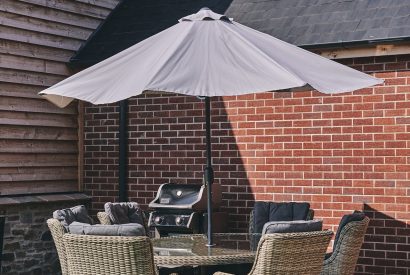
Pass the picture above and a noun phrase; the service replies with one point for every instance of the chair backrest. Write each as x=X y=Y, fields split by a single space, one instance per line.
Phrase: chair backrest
x=87 y=254
x=346 y=251
x=309 y=217
x=57 y=231
x=291 y=253
x=105 y=217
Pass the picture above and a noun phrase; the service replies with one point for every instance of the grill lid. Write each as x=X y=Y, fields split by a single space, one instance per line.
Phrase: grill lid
x=185 y=196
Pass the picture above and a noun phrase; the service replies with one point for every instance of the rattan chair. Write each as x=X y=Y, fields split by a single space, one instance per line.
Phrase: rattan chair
x=346 y=251
x=290 y=253
x=90 y=255
x=57 y=231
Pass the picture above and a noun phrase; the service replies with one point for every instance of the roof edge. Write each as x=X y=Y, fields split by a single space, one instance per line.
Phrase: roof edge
x=74 y=60
x=345 y=44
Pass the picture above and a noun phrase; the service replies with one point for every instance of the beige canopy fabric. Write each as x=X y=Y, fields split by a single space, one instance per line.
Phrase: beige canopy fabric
x=206 y=54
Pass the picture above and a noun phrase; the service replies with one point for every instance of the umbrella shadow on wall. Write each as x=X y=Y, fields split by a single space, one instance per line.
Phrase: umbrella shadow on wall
x=167 y=144
x=386 y=245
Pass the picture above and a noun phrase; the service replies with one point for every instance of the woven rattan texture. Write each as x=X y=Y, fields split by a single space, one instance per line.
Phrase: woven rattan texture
x=345 y=254
x=290 y=253
x=90 y=255
x=57 y=231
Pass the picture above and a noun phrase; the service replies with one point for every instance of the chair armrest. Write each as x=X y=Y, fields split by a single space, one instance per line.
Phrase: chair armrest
x=251 y=222
x=103 y=218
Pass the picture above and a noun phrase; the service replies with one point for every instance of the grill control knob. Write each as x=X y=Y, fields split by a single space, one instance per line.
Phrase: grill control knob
x=179 y=220
x=158 y=220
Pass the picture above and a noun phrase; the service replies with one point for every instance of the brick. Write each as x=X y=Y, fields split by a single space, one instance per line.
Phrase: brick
x=337 y=152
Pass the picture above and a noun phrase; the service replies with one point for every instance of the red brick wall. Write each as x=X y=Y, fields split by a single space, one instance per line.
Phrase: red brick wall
x=340 y=153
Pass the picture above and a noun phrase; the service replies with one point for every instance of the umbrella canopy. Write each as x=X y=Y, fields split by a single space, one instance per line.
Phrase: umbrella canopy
x=206 y=54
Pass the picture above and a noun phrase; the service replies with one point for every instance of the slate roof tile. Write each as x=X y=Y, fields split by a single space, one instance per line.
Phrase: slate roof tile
x=305 y=23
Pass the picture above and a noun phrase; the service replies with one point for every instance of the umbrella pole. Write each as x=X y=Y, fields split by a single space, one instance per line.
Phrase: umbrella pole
x=209 y=172
x=123 y=148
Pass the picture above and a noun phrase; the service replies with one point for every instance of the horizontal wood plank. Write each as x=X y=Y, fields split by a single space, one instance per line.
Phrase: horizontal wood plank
x=34 y=106
x=109 y=4
x=38 y=160
x=20 y=90
x=8 y=61
x=35 y=51
x=38 y=119
x=50 y=40
x=43 y=26
x=37 y=146
x=35 y=187
x=71 y=6
x=53 y=15
x=37 y=173
x=41 y=133
x=31 y=78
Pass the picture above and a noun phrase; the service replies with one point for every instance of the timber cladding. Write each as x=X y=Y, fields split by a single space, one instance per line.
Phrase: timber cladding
x=38 y=141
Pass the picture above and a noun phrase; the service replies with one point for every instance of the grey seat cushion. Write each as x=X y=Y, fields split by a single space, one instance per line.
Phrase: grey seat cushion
x=283 y=211
x=74 y=214
x=292 y=226
x=124 y=212
x=129 y=229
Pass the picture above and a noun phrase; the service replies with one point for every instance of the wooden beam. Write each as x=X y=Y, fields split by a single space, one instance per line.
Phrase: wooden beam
x=364 y=51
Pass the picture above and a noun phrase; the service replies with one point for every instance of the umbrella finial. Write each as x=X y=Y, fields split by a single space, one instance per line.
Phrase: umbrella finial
x=205 y=14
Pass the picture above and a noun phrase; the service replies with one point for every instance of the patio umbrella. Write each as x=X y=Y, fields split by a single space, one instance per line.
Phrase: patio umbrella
x=206 y=54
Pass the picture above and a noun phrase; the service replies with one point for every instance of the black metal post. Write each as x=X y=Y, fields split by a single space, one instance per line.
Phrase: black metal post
x=123 y=151
x=2 y=223
x=209 y=172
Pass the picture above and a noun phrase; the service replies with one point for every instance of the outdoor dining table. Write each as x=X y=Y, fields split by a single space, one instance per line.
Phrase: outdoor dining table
x=191 y=250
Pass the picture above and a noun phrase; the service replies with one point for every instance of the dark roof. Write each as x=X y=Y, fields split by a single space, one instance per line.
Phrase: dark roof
x=306 y=23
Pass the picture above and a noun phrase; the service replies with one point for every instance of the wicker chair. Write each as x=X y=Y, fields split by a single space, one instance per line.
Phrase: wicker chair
x=57 y=231
x=89 y=255
x=290 y=253
x=346 y=251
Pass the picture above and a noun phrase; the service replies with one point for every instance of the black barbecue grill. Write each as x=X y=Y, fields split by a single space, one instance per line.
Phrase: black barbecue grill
x=181 y=209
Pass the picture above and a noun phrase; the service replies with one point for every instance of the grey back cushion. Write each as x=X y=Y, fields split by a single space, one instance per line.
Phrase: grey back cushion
x=130 y=229
x=292 y=226
x=278 y=211
x=74 y=214
x=124 y=212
